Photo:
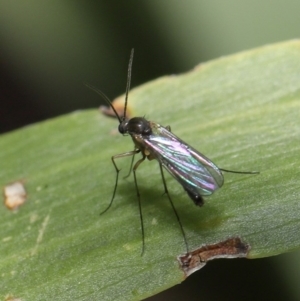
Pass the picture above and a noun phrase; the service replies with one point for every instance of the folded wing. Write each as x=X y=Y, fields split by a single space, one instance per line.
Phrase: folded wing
x=195 y=172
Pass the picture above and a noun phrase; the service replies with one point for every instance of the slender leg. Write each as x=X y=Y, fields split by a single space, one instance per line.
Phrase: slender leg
x=242 y=172
x=131 y=164
x=131 y=153
x=136 y=165
x=173 y=207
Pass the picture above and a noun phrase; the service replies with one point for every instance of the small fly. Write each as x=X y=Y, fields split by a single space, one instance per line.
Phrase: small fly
x=197 y=174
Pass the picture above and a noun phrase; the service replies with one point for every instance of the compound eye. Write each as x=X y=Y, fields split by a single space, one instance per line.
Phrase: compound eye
x=121 y=128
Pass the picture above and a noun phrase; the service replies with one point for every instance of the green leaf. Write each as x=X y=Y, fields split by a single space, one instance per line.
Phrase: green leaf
x=241 y=111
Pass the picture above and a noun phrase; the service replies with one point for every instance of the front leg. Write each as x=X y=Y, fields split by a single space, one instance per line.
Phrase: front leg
x=131 y=153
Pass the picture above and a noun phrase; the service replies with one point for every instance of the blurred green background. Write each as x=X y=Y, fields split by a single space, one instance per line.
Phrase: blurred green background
x=49 y=49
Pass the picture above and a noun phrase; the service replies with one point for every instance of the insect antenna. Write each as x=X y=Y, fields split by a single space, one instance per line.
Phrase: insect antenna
x=107 y=100
x=128 y=82
x=241 y=172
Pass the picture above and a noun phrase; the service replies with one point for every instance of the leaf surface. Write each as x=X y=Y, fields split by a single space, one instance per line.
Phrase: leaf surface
x=241 y=111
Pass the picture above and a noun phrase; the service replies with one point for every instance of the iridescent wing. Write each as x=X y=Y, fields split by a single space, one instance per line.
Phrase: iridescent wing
x=196 y=173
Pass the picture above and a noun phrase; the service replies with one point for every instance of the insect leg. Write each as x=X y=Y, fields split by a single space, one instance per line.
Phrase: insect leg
x=131 y=164
x=173 y=207
x=136 y=165
x=131 y=153
x=241 y=172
